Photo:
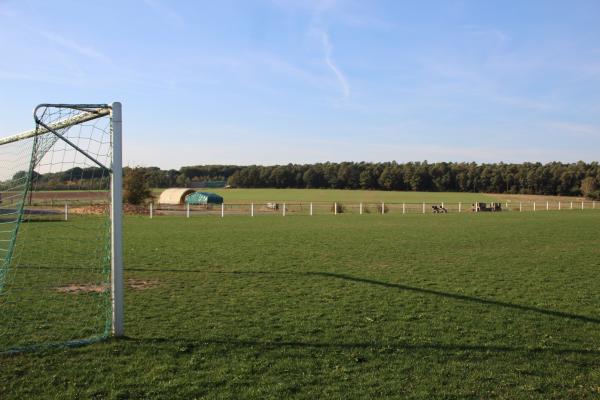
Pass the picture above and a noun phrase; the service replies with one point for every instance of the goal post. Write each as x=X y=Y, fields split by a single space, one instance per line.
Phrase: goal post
x=61 y=259
x=116 y=238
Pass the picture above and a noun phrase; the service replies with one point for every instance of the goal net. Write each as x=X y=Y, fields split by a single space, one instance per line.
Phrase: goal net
x=60 y=268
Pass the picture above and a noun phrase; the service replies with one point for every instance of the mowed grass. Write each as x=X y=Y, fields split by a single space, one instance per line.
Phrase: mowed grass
x=243 y=196
x=331 y=195
x=500 y=305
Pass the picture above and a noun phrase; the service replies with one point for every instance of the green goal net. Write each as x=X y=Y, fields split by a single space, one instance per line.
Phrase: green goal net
x=55 y=229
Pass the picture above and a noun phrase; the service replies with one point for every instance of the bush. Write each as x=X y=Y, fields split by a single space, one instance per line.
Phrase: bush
x=589 y=188
x=595 y=195
x=136 y=187
x=340 y=208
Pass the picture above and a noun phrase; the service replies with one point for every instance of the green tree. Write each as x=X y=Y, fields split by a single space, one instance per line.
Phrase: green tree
x=234 y=180
x=136 y=186
x=311 y=178
x=367 y=180
x=387 y=178
x=589 y=187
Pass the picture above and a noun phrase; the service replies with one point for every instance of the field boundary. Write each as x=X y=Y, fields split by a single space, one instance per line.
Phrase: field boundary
x=288 y=208
x=333 y=208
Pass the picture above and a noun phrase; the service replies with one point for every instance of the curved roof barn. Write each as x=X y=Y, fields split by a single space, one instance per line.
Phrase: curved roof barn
x=174 y=196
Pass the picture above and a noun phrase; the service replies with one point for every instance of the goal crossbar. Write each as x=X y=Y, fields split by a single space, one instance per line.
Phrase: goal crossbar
x=89 y=112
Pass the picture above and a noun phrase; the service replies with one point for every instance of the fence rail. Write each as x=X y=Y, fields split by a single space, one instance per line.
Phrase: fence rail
x=77 y=206
x=333 y=208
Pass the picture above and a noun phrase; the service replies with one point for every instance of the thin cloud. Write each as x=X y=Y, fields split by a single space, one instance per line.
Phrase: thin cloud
x=366 y=22
x=311 y=5
x=341 y=78
x=318 y=30
x=6 y=11
x=172 y=17
x=524 y=103
x=496 y=36
x=575 y=129
x=82 y=50
x=282 y=66
x=11 y=75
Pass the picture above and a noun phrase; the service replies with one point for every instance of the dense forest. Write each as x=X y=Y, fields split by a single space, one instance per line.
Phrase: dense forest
x=528 y=178
x=555 y=178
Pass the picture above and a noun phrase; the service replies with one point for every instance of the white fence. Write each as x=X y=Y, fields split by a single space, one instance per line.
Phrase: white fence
x=333 y=208
x=66 y=208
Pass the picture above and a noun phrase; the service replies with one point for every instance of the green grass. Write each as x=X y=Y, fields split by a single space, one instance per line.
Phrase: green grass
x=374 y=196
x=53 y=254
x=417 y=306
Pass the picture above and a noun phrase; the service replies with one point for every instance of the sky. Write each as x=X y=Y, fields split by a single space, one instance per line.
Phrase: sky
x=280 y=81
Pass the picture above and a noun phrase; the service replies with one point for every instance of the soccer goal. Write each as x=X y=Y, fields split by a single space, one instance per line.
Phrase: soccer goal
x=61 y=272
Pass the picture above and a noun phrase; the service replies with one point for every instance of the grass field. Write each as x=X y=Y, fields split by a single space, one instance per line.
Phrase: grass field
x=366 y=196
x=418 y=306
x=248 y=195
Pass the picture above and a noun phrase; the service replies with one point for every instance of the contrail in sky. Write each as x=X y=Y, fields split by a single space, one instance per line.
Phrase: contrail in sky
x=329 y=61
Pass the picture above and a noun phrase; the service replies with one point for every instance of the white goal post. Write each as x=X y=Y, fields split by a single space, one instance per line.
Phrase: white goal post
x=68 y=142
x=116 y=232
x=91 y=112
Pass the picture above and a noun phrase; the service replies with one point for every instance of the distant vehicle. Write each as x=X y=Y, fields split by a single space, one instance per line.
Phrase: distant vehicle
x=477 y=207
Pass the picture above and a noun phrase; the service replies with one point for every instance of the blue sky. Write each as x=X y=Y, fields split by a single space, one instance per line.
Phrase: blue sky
x=280 y=81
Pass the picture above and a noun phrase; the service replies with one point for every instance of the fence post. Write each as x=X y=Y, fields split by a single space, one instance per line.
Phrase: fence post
x=151 y=211
x=520 y=206
x=382 y=208
x=571 y=205
x=459 y=206
x=582 y=205
x=284 y=209
x=403 y=208
x=534 y=206
x=559 y=206
x=187 y=210
x=547 y=206
x=594 y=205
x=252 y=210
x=66 y=211
x=335 y=208
x=222 y=210
x=360 y=208
x=311 y=208
x=423 y=208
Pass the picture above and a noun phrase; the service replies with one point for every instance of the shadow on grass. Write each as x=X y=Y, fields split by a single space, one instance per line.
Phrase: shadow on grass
x=385 y=347
x=456 y=296
x=415 y=289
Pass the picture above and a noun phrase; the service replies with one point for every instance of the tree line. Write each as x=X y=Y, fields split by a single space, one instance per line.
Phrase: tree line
x=570 y=179
x=555 y=178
